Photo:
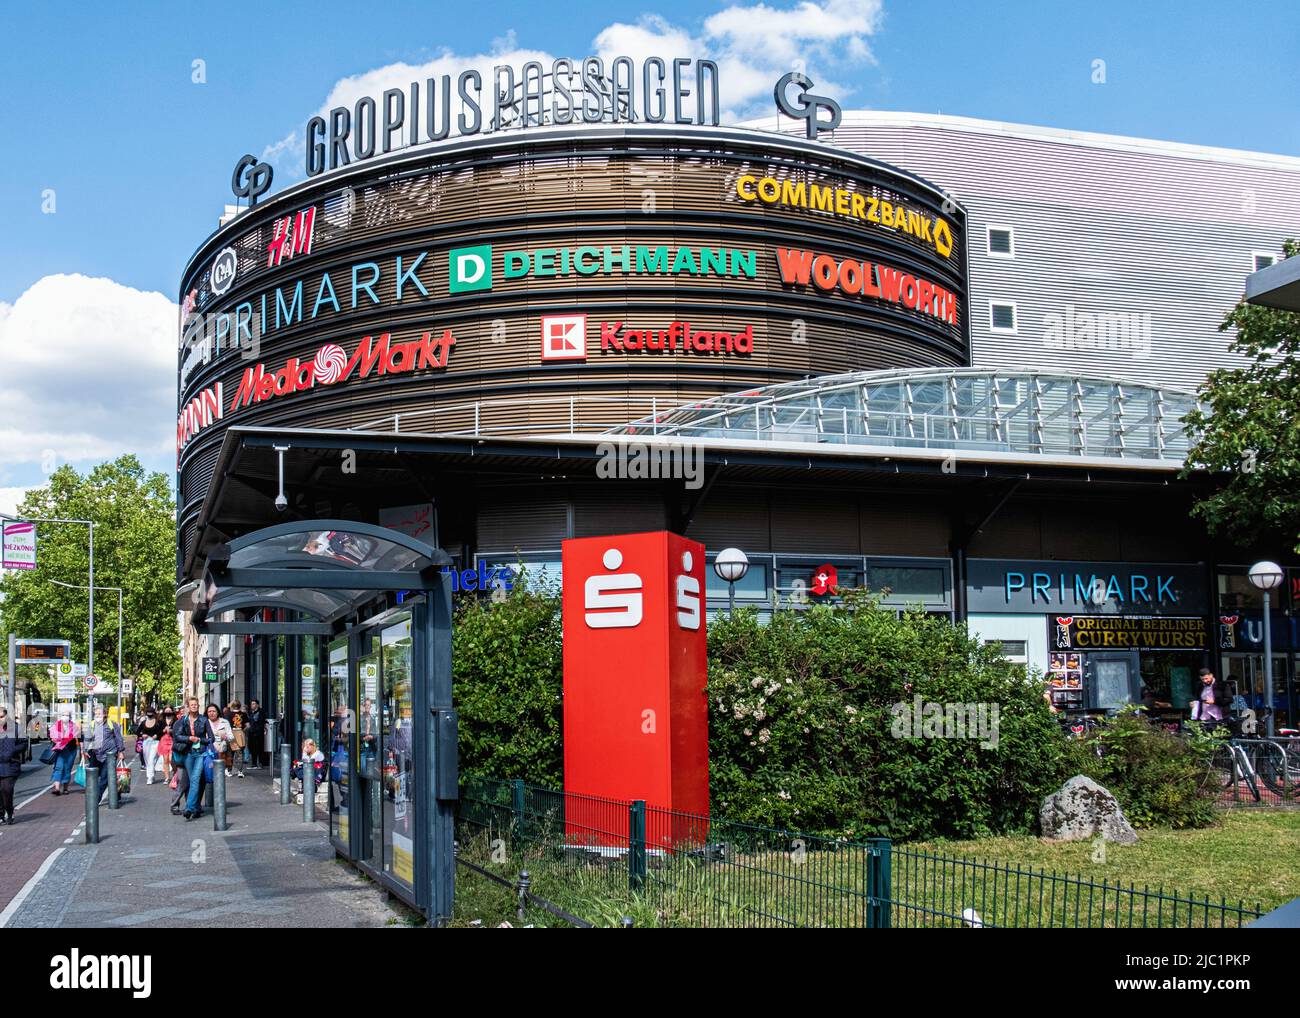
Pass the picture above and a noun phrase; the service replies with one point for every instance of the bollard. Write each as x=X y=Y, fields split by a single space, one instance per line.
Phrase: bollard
x=219 y=799
x=285 y=768
x=308 y=792
x=92 y=805
x=109 y=772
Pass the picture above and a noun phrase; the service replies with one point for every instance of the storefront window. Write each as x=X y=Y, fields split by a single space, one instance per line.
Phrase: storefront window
x=755 y=585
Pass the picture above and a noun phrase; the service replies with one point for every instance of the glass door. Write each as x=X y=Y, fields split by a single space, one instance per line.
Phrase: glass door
x=397 y=752
x=339 y=751
x=368 y=748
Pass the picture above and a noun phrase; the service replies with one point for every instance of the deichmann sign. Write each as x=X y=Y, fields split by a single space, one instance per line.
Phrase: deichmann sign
x=1085 y=588
x=1123 y=632
x=473 y=268
x=934 y=231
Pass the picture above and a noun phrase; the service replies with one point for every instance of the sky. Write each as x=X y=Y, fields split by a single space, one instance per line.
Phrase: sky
x=123 y=123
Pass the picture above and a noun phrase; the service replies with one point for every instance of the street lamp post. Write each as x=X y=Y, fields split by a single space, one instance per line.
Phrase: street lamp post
x=731 y=565
x=90 y=645
x=1266 y=576
x=82 y=586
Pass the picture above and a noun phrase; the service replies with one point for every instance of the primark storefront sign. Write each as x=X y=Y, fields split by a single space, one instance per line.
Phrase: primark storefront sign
x=1114 y=588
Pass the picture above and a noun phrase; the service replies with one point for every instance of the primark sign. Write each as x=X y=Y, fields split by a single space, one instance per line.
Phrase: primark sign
x=1102 y=588
x=622 y=90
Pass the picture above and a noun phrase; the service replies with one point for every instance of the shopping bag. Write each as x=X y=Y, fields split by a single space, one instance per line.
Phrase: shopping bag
x=48 y=756
x=124 y=779
x=79 y=772
x=207 y=766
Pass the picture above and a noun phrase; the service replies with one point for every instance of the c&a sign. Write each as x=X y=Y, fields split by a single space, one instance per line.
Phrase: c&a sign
x=635 y=667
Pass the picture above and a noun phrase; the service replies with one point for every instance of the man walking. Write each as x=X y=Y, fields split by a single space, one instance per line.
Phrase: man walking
x=191 y=735
x=105 y=749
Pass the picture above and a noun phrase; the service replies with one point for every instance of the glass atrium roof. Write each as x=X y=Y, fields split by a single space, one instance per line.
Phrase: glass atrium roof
x=1029 y=413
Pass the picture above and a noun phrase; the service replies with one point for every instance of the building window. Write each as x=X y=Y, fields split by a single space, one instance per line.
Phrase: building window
x=1002 y=242
x=1015 y=651
x=1261 y=260
x=1002 y=316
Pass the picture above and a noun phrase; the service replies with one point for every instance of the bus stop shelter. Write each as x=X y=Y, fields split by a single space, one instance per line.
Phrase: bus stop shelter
x=365 y=613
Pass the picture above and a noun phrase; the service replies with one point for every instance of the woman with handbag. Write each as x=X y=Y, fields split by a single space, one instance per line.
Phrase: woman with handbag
x=11 y=763
x=223 y=737
x=63 y=744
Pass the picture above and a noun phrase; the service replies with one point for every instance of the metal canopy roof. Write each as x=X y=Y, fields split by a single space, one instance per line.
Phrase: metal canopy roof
x=1030 y=414
x=325 y=569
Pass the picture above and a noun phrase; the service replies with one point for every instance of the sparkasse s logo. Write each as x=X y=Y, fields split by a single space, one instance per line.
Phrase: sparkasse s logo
x=564 y=337
x=75 y=971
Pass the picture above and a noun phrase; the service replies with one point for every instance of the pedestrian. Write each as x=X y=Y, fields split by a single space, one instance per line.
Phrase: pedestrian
x=191 y=737
x=11 y=762
x=64 y=734
x=238 y=725
x=165 y=742
x=1212 y=701
x=256 y=729
x=105 y=749
x=223 y=737
x=151 y=733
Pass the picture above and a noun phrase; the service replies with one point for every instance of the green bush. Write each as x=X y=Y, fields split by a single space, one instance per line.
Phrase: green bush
x=1159 y=778
x=802 y=734
x=507 y=679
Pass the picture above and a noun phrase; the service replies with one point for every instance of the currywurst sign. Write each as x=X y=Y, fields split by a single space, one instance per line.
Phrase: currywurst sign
x=622 y=90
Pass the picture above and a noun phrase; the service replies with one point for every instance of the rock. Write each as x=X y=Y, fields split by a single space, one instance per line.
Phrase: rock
x=1082 y=810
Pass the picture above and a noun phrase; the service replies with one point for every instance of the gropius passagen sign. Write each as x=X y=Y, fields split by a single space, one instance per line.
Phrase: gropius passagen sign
x=635 y=669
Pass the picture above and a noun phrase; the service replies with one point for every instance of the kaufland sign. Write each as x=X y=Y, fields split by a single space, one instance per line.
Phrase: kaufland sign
x=331 y=365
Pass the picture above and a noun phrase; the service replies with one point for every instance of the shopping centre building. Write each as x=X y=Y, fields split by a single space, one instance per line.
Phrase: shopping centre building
x=942 y=359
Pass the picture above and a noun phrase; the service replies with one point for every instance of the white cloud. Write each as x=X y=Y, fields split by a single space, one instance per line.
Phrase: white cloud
x=753 y=45
x=87 y=372
x=10 y=499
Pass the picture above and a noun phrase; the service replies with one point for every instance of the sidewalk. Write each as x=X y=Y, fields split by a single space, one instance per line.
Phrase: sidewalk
x=154 y=870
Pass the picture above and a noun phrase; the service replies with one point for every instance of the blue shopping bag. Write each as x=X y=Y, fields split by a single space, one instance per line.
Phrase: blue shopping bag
x=207 y=765
x=79 y=775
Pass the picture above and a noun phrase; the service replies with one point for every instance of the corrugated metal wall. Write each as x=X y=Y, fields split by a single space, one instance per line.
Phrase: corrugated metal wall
x=1102 y=229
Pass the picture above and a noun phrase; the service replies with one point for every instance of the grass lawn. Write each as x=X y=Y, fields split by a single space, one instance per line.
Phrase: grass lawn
x=1251 y=857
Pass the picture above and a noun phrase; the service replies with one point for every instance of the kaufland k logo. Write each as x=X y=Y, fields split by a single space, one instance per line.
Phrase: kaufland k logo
x=613 y=601
x=564 y=338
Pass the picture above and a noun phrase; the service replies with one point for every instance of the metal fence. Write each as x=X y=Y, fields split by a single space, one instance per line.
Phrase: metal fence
x=679 y=869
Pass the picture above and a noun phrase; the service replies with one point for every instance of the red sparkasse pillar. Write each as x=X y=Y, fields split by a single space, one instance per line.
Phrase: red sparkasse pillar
x=636 y=723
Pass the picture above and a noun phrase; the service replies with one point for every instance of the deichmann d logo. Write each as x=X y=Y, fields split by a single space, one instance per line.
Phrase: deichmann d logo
x=470 y=269
x=224 y=268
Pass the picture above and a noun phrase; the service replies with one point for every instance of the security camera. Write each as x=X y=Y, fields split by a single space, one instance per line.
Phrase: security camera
x=281 y=503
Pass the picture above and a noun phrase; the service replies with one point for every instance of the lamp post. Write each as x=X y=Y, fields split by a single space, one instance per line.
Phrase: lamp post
x=82 y=586
x=731 y=565
x=1266 y=576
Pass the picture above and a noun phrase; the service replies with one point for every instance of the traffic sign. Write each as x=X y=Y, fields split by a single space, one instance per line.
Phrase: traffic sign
x=127 y=686
x=89 y=681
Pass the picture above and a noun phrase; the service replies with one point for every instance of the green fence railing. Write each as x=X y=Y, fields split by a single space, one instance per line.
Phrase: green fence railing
x=687 y=870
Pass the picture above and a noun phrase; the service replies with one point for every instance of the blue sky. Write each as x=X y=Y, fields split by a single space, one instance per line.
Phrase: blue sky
x=102 y=110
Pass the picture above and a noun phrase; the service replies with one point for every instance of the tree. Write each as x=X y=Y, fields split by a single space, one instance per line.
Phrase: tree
x=135 y=549
x=1249 y=430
